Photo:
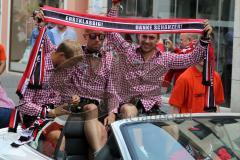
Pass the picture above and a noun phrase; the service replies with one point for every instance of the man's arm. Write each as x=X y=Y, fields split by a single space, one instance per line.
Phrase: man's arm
x=49 y=47
x=180 y=61
x=112 y=98
x=48 y=44
x=113 y=104
x=119 y=44
x=186 y=60
x=29 y=108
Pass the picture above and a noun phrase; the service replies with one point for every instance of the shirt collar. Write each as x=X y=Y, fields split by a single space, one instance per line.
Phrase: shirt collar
x=157 y=51
x=94 y=54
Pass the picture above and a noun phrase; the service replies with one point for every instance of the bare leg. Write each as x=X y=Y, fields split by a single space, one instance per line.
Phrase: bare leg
x=62 y=146
x=95 y=132
x=53 y=136
x=128 y=110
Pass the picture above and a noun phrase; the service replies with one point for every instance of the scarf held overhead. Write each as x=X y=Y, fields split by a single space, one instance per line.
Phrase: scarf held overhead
x=141 y=26
x=125 y=25
x=34 y=71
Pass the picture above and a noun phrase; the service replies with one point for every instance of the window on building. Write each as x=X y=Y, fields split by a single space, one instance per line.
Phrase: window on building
x=186 y=8
x=208 y=9
x=136 y=8
x=22 y=25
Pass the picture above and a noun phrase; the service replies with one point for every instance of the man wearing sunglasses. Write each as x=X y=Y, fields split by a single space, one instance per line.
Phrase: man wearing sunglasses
x=89 y=85
x=97 y=119
x=141 y=68
x=94 y=41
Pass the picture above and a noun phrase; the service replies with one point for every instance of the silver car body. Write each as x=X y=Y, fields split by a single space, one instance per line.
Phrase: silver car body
x=25 y=152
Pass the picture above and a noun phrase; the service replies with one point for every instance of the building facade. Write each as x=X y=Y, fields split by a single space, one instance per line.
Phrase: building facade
x=16 y=26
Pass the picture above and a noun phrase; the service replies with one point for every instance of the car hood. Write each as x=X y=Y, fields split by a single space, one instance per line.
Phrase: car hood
x=7 y=152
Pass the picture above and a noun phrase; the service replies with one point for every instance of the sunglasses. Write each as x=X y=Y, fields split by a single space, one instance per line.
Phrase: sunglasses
x=145 y=37
x=94 y=36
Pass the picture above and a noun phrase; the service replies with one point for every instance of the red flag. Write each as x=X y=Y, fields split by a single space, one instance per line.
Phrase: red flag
x=34 y=72
x=14 y=120
x=208 y=80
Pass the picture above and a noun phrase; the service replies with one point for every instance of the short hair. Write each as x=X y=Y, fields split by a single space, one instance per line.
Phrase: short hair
x=87 y=30
x=70 y=49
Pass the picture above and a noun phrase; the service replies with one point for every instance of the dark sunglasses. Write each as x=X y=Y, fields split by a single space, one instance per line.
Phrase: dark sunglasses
x=94 y=36
x=149 y=37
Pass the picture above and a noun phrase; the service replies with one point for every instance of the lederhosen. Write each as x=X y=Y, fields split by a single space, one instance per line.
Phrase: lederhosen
x=102 y=111
x=155 y=110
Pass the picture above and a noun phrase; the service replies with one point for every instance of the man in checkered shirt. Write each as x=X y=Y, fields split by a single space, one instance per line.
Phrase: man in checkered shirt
x=34 y=99
x=140 y=68
x=87 y=84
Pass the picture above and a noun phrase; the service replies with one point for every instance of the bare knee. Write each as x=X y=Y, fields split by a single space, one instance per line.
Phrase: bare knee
x=91 y=112
x=53 y=136
x=89 y=107
x=128 y=110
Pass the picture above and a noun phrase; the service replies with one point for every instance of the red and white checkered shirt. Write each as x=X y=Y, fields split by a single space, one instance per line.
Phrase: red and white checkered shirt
x=35 y=98
x=85 y=81
x=135 y=78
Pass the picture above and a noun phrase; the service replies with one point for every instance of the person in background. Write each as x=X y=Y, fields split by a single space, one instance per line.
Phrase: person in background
x=161 y=45
x=6 y=104
x=188 y=94
x=61 y=33
x=187 y=44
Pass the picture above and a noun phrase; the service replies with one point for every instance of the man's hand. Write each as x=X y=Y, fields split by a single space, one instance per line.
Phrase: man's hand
x=207 y=29
x=40 y=18
x=58 y=111
x=109 y=119
x=75 y=99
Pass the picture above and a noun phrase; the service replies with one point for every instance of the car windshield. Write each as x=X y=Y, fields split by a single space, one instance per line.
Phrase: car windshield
x=197 y=138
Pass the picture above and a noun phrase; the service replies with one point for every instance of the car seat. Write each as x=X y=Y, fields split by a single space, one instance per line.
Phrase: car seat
x=76 y=145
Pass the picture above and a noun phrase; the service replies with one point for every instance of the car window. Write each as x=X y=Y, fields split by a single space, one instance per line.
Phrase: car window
x=203 y=138
x=147 y=141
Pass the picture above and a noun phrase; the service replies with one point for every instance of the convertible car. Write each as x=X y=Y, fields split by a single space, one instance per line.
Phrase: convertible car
x=167 y=137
